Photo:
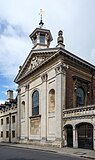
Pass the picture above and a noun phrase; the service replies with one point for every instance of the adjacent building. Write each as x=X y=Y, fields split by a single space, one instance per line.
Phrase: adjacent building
x=8 y=119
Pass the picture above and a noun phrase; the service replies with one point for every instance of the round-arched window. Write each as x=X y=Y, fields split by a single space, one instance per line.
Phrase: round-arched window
x=80 y=97
x=23 y=110
x=35 y=103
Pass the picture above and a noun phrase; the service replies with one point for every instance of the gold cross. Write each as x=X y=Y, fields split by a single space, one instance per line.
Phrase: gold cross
x=41 y=13
x=41 y=21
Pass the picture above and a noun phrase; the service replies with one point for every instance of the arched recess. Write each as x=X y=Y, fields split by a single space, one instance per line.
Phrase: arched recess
x=85 y=135
x=52 y=100
x=22 y=110
x=69 y=135
x=35 y=103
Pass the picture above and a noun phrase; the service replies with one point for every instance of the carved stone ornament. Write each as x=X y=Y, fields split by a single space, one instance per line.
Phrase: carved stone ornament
x=18 y=90
x=61 y=68
x=36 y=61
x=26 y=86
x=44 y=77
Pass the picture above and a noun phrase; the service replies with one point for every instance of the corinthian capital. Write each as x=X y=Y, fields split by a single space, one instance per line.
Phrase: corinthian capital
x=26 y=86
x=18 y=90
x=61 y=68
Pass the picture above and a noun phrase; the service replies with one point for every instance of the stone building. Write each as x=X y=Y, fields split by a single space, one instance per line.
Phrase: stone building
x=8 y=119
x=56 y=95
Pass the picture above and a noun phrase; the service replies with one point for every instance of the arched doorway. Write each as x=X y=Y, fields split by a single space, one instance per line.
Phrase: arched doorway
x=69 y=130
x=85 y=135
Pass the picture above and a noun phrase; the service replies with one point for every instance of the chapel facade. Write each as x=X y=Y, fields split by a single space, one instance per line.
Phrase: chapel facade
x=56 y=95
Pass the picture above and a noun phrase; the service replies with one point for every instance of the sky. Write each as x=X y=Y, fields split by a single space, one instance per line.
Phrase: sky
x=18 y=18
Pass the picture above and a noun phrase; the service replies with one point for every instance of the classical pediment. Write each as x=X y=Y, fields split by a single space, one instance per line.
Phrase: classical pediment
x=31 y=64
x=33 y=61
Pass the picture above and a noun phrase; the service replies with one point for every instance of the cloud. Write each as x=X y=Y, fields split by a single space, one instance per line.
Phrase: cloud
x=14 y=46
x=18 y=18
x=2 y=101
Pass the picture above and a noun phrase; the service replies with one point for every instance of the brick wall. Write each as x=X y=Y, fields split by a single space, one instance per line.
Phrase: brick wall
x=70 y=85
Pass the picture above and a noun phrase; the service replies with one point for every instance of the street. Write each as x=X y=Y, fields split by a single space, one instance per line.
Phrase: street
x=13 y=153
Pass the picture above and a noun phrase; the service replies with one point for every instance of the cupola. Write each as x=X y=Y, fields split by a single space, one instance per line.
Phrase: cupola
x=41 y=37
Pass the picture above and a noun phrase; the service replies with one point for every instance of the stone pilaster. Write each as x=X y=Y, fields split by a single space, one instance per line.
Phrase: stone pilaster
x=60 y=71
x=27 y=111
x=44 y=107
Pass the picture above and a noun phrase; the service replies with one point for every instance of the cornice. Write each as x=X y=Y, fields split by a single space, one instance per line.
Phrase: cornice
x=33 y=52
x=73 y=57
x=55 y=51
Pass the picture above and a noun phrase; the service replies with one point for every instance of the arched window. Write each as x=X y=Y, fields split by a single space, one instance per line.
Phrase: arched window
x=35 y=103
x=23 y=110
x=52 y=100
x=80 y=97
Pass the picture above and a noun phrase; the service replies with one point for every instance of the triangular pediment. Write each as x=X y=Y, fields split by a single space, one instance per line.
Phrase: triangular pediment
x=33 y=61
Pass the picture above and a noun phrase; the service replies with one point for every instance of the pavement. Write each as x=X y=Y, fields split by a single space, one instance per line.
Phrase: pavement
x=84 y=153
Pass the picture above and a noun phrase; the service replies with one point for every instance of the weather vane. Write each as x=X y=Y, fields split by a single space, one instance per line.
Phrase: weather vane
x=41 y=15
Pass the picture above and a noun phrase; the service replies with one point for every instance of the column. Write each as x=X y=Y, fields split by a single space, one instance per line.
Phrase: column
x=18 y=114
x=64 y=138
x=60 y=92
x=94 y=137
x=27 y=111
x=75 y=137
x=44 y=107
x=38 y=37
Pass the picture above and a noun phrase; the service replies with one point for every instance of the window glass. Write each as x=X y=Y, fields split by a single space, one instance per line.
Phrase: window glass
x=13 y=119
x=80 y=97
x=7 y=120
x=35 y=103
x=42 y=39
x=1 y=133
x=7 y=134
x=13 y=134
x=1 y=121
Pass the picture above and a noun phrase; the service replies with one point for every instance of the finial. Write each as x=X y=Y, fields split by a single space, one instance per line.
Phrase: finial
x=60 y=39
x=41 y=21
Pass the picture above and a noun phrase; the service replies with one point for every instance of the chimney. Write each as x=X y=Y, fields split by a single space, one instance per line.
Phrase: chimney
x=9 y=95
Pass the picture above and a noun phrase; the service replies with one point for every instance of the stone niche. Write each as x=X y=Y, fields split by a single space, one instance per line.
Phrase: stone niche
x=52 y=100
x=35 y=126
